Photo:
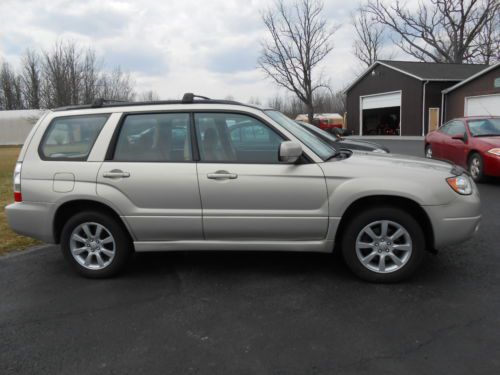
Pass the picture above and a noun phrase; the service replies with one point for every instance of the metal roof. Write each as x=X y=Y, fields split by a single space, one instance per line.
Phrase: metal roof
x=471 y=78
x=426 y=71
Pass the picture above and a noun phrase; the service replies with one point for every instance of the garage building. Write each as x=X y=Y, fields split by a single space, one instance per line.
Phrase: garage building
x=402 y=97
x=478 y=95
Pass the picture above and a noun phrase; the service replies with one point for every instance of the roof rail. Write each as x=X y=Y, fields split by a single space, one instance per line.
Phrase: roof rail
x=99 y=102
x=188 y=98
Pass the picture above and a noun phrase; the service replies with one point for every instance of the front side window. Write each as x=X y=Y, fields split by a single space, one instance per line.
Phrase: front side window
x=158 y=137
x=456 y=127
x=72 y=137
x=235 y=138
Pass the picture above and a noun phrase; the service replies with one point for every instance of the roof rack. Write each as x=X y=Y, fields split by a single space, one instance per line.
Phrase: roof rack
x=188 y=98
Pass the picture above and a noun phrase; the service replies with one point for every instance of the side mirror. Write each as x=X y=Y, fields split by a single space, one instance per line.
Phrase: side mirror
x=460 y=137
x=290 y=151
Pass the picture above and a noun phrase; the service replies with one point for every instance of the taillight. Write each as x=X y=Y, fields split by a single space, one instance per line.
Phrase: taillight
x=17 y=183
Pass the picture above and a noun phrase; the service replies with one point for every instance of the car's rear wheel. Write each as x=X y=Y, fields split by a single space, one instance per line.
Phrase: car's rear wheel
x=476 y=167
x=95 y=244
x=428 y=152
x=383 y=244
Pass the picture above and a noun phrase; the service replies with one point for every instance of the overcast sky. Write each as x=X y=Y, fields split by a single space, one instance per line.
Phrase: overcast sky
x=209 y=47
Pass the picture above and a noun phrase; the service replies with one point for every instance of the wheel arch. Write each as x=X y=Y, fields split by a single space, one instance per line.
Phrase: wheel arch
x=470 y=153
x=69 y=208
x=409 y=205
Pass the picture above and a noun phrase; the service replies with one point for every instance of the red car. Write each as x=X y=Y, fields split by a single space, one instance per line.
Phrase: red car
x=472 y=142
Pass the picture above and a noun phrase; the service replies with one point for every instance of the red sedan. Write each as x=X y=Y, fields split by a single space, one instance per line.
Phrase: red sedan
x=472 y=142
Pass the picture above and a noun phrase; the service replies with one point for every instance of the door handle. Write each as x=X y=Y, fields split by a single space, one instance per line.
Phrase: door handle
x=222 y=175
x=116 y=173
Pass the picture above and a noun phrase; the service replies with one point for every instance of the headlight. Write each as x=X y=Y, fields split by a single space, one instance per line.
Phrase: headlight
x=461 y=184
x=380 y=151
x=494 y=151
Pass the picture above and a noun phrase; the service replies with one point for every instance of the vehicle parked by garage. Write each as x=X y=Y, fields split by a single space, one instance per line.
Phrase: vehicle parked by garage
x=472 y=142
x=338 y=142
x=108 y=179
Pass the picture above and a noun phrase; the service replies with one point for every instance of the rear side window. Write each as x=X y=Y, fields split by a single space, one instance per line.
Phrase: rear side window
x=71 y=138
x=158 y=137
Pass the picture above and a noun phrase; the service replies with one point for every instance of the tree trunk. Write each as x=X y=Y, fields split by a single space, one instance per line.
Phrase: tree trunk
x=310 y=112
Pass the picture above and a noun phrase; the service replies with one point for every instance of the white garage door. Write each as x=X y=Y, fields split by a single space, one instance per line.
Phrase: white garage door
x=391 y=99
x=482 y=105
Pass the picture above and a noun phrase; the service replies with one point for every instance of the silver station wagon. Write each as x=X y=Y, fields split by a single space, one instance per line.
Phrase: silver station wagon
x=107 y=179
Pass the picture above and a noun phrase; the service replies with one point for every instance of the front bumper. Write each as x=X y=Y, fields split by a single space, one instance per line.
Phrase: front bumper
x=31 y=219
x=491 y=165
x=457 y=221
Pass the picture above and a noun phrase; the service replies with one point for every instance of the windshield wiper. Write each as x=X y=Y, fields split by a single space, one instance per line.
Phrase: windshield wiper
x=334 y=155
x=487 y=135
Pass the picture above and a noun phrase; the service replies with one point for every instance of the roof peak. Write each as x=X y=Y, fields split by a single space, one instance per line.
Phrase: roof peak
x=426 y=62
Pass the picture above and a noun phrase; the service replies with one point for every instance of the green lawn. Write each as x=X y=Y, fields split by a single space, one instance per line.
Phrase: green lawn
x=9 y=240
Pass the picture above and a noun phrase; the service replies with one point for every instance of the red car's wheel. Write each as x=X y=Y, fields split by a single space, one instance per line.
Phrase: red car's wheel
x=428 y=152
x=476 y=167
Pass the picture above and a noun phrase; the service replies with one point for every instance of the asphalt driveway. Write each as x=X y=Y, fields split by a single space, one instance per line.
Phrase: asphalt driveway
x=256 y=313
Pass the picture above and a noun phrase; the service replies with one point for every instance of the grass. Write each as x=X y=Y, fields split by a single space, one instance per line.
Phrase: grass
x=8 y=239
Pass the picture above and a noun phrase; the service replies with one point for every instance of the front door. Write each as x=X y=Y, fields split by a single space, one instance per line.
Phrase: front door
x=151 y=178
x=454 y=150
x=246 y=193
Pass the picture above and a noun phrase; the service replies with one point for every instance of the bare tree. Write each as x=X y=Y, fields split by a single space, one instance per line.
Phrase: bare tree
x=90 y=76
x=488 y=43
x=254 y=101
x=31 y=80
x=148 y=96
x=438 y=30
x=116 y=85
x=300 y=40
x=369 y=36
x=10 y=85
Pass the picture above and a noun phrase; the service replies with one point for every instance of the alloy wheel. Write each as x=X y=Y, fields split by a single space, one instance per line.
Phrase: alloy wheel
x=383 y=246
x=475 y=167
x=428 y=152
x=92 y=245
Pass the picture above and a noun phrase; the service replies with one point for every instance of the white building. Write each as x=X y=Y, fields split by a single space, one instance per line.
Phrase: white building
x=16 y=125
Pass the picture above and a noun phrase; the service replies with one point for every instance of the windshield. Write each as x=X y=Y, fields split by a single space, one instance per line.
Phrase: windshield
x=485 y=127
x=320 y=147
x=320 y=133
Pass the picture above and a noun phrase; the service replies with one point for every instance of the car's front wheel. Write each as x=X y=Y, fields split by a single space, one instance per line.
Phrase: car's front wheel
x=476 y=167
x=95 y=244
x=383 y=244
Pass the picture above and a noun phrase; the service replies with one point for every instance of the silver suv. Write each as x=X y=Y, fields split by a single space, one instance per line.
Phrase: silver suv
x=107 y=179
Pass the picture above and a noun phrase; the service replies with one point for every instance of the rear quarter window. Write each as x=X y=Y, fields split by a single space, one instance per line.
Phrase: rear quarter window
x=72 y=137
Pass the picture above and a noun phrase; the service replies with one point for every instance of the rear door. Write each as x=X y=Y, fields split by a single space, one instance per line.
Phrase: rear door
x=151 y=177
x=246 y=193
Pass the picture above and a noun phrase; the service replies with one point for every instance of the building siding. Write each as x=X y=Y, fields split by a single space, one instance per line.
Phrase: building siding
x=482 y=85
x=387 y=80
x=433 y=98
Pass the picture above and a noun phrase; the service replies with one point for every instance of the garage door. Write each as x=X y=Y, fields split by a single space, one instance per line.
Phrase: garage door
x=482 y=105
x=392 y=99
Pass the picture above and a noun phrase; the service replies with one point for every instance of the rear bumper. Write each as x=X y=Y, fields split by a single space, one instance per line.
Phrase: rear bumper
x=455 y=222
x=31 y=219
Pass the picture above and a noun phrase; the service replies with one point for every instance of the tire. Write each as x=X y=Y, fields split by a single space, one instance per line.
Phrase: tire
x=428 y=152
x=83 y=244
x=390 y=249
x=475 y=167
